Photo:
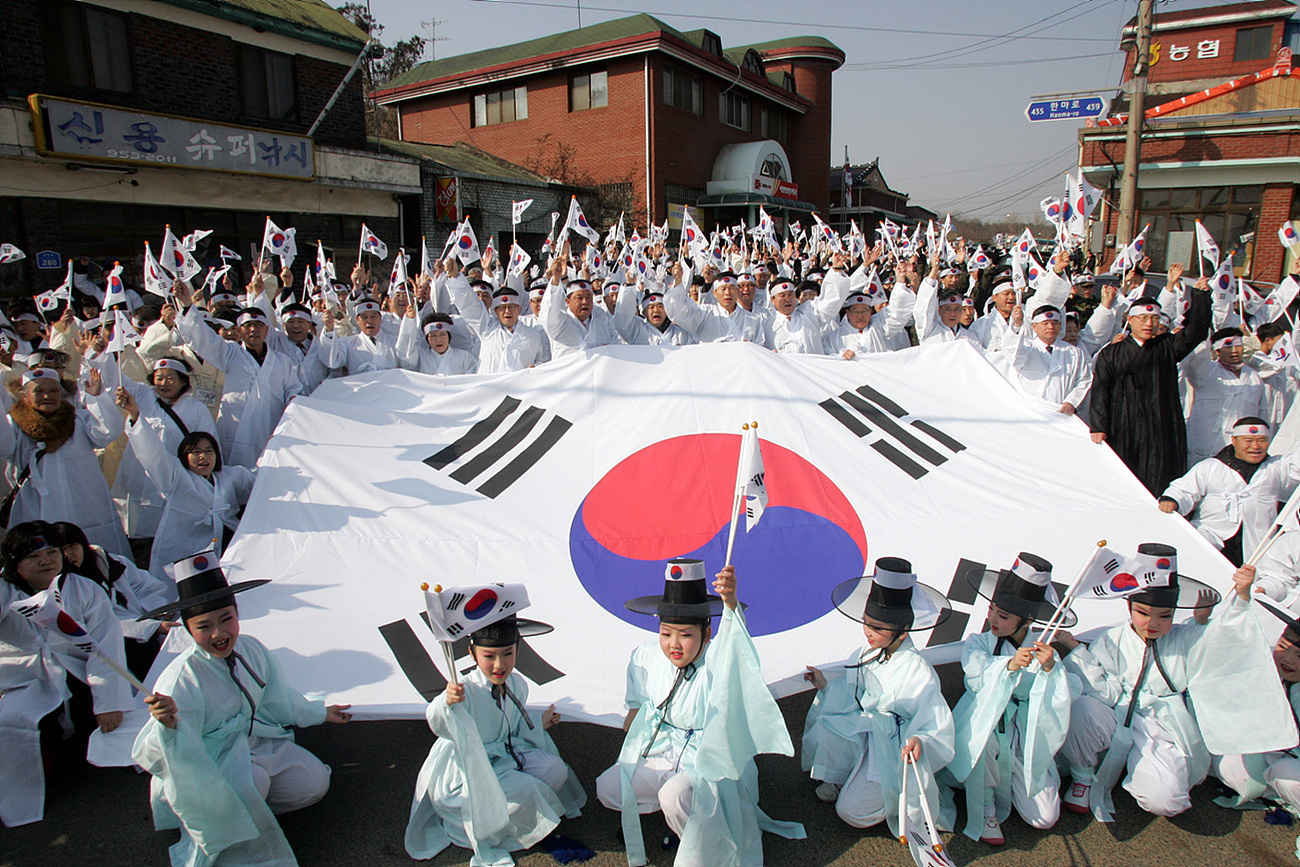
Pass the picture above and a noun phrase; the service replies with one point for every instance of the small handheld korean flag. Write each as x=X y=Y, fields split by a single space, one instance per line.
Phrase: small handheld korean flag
x=273 y=238
x=519 y=260
x=1111 y=576
x=371 y=244
x=517 y=211
x=190 y=242
x=45 y=609
x=397 y=280
x=114 y=291
x=454 y=612
x=577 y=222
x=751 y=479
x=226 y=254
x=1288 y=235
x=467 y=244
x=1283 y=353
x=324 y=267
x=10 y=253
x=1206 y=245
x=175 y=258
x=156 y=281
x=124 y=333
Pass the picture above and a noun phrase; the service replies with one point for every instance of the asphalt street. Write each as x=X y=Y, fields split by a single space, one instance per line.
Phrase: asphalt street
x=101 y=817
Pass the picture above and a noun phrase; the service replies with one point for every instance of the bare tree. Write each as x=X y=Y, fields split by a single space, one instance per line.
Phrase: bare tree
x=397 y=59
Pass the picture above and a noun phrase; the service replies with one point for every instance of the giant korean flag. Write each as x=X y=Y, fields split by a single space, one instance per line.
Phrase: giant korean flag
x=581 y=477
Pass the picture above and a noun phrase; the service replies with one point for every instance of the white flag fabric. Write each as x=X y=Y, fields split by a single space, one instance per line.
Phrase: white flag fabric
x=1280 y=298
x=10 y=253
x=114 y=291
x=46 y=610
x=227 y=253
x=1206 y=246
x=455 y=612
x=289 y=249
x=751 y=486
x=1283 y=353
x=175 y=258
x=920 y=843
x=466 y=243
x=397 y=279
x=577 y=222
x=124 y=333
x=692 y=239
x=212 y=282
x=517 y=211
x=324 y=267
x=191 y=241
x=426 y=263
x=276 y=240
x=371 y=244
x=156 y=281
x=1112 y=575
x=519 y=261
x=633 y=452
x=1288 y=235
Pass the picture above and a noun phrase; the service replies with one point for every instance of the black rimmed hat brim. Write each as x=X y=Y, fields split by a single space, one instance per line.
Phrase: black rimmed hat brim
x=1189 y=595
x=929 y=606
x=655 y=606
x=1292 y=624
x=202 y=599
x=530 y=628
x=985 y=582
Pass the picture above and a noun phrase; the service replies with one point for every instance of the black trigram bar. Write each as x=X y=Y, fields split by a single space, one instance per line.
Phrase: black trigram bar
x=428 y=681
x=475 y=435
x=454 y=602
x=521 y=428
x=960 y=590
x=866 y=404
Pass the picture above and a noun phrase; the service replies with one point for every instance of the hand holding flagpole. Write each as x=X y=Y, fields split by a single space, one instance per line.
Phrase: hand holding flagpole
x=447 y=652
x=45 y=610
x=750 y=482
x=1053 y=625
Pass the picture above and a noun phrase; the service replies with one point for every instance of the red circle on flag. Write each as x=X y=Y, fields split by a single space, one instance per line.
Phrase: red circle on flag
x=1163 y=563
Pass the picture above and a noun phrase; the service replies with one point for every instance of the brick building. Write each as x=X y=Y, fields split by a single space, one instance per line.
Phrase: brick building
x=654 y=118
x=1222 y=136
x=868 y=199
x=120 y=116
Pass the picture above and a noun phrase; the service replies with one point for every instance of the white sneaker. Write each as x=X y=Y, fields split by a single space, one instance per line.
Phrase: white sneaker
x=1076 y=798
x=828 y=793
x=992 y=833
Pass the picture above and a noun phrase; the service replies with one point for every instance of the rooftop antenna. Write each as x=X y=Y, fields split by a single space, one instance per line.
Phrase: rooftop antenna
x=434 y=38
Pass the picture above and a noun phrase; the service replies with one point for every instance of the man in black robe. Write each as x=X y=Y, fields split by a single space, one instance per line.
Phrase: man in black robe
x=1135 y=404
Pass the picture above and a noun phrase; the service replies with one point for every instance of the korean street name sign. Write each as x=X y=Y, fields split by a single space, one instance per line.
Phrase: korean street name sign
x=1066 y=109
x=101 y=133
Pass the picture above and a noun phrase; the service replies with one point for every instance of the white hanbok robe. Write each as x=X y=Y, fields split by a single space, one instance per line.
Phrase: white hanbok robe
x=710 y=323
x=501 y=350
x=139 y=502
x=567 y=334
x=472 y=792
x=68 y=484
x=310 y=355
x=1218 y=501
x=858 y=724
x=929 y=327
x=1010 y=725
x=1054 y=374
x=360 y=353
x=1280 y=386
x=414 y=353
x=991 y=330
x=1219 y=397
x=1274 y=775
x=255 y=394
x=1277 y=574
x=133 y=593
x=195 y=510
x=636 y=331
x=34 y=664
x=203 y=770
x=804 y=330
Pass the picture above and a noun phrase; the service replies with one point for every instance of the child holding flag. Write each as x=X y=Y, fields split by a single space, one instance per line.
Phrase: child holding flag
x=699 y=712
x=494 y=781
x=887 y=708
x=1013 y=718
x=42 y=665
x=1133 y=712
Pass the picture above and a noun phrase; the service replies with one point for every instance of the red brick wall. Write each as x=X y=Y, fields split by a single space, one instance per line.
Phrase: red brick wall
x=609 y=143
x=1165 y=68
x=1273 y=212
x=1223 y=147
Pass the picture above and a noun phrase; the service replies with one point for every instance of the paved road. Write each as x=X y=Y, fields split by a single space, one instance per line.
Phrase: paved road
x=100 y=817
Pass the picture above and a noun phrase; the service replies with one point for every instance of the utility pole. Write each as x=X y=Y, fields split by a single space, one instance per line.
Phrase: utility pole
x=1133 y=142
x=434 y=38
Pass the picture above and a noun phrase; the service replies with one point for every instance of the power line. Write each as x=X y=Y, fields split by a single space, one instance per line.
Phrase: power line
x=863 y=67
x=815 y=24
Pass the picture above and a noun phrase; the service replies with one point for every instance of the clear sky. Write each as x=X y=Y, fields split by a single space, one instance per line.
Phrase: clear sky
x=936 y=88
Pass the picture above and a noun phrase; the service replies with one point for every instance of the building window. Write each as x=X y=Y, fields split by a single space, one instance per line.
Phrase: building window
x=502 y=106
x=683 y=90
x=733 y=110
x=588 y=91
x=753 y=62
x=775 y=124
x=86 y=46
x=1230 y=214
x=266 y=88
x=1253 y=43
x=787 y=81
x=711 y=43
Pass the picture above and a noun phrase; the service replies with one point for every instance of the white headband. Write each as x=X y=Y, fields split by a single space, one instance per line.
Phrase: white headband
x=436 y=326
x=1047 y=316
x=248 y=316
x=368 y=307
x=172 y=364
x=39 y=373
x=1253 y=429
x=1227 y=342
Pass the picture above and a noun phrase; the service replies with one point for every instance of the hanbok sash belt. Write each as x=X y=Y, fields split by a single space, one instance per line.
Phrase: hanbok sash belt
x=499 y=693
x=1233 y=504
x=685 y=673
x=261 y=684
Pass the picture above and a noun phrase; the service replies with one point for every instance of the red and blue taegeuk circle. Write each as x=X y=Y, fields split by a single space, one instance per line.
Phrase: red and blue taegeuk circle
x=481 y=604
x=673 y=499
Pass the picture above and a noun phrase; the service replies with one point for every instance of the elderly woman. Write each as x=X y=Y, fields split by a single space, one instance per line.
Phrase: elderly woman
x=41 y=669
x=434 y=354
x=50 y=447
x=169 y=404
x=201 y=496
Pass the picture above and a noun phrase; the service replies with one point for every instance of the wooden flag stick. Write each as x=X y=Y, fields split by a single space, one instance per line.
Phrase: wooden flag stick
x=447 y=653
x=121 y=669
x=1276 y=530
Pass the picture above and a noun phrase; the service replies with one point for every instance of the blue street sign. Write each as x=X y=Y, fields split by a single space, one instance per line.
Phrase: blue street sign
x=1066 y=109
x=49 y=260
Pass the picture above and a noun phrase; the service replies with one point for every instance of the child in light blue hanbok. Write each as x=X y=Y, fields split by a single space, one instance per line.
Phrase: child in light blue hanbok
x=494 y=781
x=886 y=707
x=699 y=713
x=220 y=740
x=1159 y=697
x=1016 y=711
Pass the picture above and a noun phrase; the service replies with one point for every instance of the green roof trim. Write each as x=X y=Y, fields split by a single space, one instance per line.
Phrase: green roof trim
x=607 y=31
x=463 y=157
x=309 y=20
x=789 y=42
